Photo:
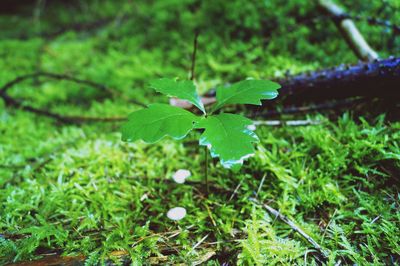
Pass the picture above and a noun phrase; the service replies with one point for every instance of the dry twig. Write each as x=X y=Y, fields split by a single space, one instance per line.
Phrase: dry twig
x=349 y=30
x=324 y=254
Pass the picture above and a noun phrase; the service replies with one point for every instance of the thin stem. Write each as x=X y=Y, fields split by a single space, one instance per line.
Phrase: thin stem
x=206 y=168
x=192 y=69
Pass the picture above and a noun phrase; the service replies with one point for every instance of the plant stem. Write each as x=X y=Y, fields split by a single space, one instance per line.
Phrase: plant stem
x=206 y=168
x=192 y=73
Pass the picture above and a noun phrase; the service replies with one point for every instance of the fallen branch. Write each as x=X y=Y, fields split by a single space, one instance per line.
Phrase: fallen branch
x=380 y=79
x=348 y=30
x=374 y=79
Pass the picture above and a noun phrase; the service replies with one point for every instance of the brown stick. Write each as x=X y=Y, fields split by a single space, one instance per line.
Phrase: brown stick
x=349 y=31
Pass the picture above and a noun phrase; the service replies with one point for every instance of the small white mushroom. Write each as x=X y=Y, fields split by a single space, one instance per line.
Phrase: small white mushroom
x=181 y=175
x=176 y=213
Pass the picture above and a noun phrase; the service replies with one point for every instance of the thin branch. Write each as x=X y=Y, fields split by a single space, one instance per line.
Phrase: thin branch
x=11 y=101
x=57 y=76
x=349 y=31
x=292 y=225
x=236 y=190
x=378 y=21
x=197 y=244
x=261 y=184
x=373 y=21
x=19 y=79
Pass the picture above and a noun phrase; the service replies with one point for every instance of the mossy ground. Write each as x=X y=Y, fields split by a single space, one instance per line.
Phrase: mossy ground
x=78 y=190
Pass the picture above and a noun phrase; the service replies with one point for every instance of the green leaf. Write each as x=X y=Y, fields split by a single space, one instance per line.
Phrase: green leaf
x=228 y=137
x=157 y=121
x=247 y=92
x=184 y=90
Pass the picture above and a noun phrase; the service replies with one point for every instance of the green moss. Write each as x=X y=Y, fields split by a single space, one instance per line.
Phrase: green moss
x=79 y=190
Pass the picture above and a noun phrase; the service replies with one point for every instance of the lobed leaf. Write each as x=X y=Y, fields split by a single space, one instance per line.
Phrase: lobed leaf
x=247 y=92
x=157 y=121
x=228 y=137
x=184 y=90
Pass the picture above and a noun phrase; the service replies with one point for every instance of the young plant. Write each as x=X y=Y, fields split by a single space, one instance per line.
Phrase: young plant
x=227 y=136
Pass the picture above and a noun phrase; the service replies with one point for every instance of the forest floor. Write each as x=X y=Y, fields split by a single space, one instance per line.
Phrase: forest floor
x=77 y=190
